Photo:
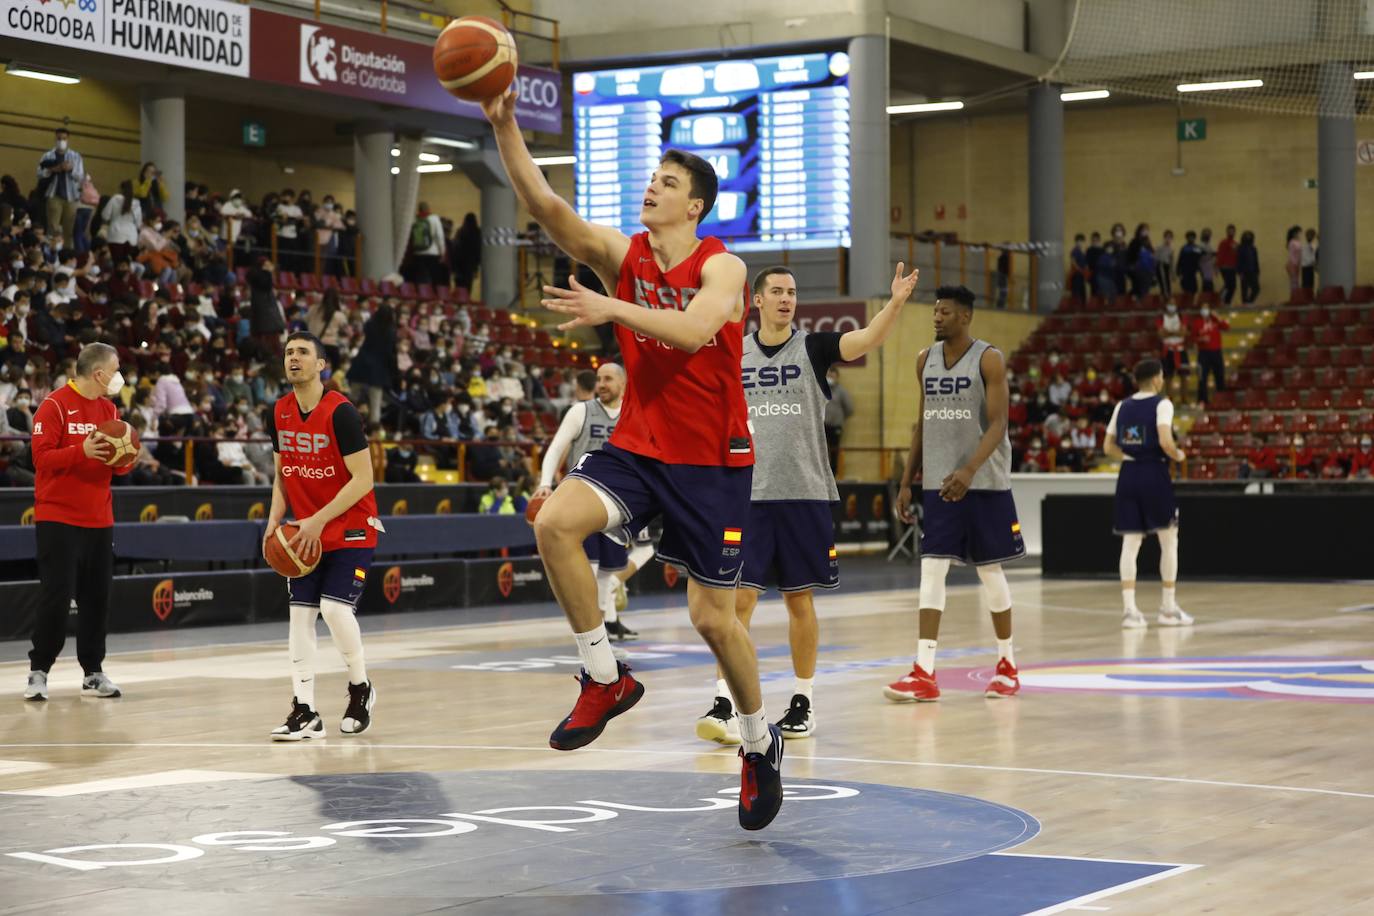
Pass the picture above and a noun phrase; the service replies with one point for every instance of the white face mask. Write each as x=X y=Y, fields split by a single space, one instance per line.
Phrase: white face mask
x=61 y=146
x=116 y=384
x=1204 y=311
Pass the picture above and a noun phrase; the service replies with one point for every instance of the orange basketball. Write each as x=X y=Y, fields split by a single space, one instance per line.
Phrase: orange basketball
x=475 y=58
x=532 y=509
x=124 y=438
x=277 y=552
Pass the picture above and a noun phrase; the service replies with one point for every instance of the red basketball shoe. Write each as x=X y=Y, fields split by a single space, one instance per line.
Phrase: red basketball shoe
x=918 y=686
x=597 y=705
x=1004 y=683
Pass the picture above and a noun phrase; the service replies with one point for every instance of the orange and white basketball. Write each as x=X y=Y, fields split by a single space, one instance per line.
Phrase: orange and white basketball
x=475 y=58
x=277 y=551
x=124 y=439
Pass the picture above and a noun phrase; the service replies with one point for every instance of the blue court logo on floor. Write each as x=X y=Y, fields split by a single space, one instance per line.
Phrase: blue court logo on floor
x=1266 y=677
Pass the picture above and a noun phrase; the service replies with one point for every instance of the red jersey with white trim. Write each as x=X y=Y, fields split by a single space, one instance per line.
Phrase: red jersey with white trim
x=313 y=470
x=69 y=487
x=680 y=407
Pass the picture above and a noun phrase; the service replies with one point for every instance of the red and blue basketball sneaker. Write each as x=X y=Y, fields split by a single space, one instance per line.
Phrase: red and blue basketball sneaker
x=760 y=784
x=597 y=705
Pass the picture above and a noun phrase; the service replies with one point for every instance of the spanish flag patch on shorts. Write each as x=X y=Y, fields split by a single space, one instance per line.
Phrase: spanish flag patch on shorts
x=733 y=536
x=359 y=573
x=832 y=553
x=1015 y=527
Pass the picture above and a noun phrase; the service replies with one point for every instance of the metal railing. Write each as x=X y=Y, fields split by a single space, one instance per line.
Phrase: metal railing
x=946 y=261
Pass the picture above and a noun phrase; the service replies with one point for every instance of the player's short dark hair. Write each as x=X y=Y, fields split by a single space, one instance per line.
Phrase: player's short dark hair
x=705 y=184
x=586 y=380
x=960 y=294
x=761 y=278
x=314 y=342
x=1147 y=369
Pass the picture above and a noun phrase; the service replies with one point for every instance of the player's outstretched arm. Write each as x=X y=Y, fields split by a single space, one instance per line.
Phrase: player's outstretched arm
x=599 y=247
x=854 y=344
x=994 y=370
x=719 y=299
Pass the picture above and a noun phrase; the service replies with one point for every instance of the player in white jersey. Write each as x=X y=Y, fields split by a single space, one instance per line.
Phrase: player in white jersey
x=586 y=426
x=961 y=448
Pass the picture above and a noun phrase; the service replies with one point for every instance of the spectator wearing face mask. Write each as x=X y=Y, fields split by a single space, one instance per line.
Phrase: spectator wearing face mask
x=1261 y=462
x=232 y=214
x=150 y=190
x=60 y=173
x=1035 y=459
x=1060 y=390
x=1304 y=461
x=1207 y=330
x=1362 y=459
x=1173 y=340
x=328 y=223
x=289 y=220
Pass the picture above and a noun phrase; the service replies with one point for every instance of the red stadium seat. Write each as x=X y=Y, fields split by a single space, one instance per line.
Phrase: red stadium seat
x=1300 y=378
x=1143 y=342
x=1299 y=337
x=1282 y=358
x=1206 y=423
x=461 y=295
x=1271 y=337
x=1314 y=399
x=1330 y=377
x=348 y=285
x=1235 y=423
x=1364 y=423
x=1331 y=294
x=1315 y=358
x=1283 y=400
x=1267 y=378
x=1268 y=424
x=481 y=315
x=367 y=287
x=1301 y=423
x=1314 y=318
x=1286 y=318
x=286 y=280
x=425 y=291
x=1362 y=335
x=1102 y=323
x=1225 y=400
x=1361 y=295
x=1300 y=296
x=1347 y=399
x=1333 y=424
x=1332 y=335
x=1345 y=316
x=1183 y=300
x=1137 y=323
x=1350 y=357
x=1253 y=399
x=306 y=283
x=501 y=316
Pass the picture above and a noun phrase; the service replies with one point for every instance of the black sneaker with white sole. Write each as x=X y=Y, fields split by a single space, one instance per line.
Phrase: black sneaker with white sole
x=618 y=632
x=800 y=719
x=358 y=716
x=719 y=724
x=303 y=723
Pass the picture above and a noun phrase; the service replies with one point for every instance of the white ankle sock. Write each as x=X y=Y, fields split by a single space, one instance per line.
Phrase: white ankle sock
x=1004 y=651
x=723 y=690
x=925 y=655
x=605 y=595
x=753 y=730
x=348 y=638
x=595 y=649
x=1128 y=600
x=803 y=685
x=300 y=644
x=1167 y=603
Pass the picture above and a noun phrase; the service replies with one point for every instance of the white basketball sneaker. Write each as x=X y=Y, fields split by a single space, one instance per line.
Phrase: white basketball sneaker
x=1177 y=617
x=1133 y=620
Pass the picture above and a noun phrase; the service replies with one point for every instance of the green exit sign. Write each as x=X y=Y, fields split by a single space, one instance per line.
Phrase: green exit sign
x=254 y=134
x=1192 y=129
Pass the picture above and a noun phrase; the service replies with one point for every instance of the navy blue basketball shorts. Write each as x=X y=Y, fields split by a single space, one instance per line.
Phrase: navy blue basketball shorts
x=1144 y=498
x=340 y=576
x=705 y=509
x=606 y=553
x=980 y=529
x=790 y=544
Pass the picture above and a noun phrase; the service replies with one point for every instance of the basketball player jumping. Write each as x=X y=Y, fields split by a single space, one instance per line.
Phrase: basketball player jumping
x=1141 y=434
x=324 y=472
x=960 y=444
x=681 y=448
x=585 y=428
x=791 y=530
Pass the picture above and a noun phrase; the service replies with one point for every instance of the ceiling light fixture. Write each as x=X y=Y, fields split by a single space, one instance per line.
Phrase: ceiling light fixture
x=555 y=160
x=1084 y=95
x=922 y=107
x=1221 y=84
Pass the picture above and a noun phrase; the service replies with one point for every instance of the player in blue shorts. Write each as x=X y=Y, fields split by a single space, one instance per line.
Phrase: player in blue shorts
x=1141 y=435
x=791 y=533
x=961 y=447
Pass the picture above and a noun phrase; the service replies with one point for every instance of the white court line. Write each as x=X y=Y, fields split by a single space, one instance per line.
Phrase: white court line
x=698 y=753
x=1077 y=902
x=13 y=767
x=140 y=781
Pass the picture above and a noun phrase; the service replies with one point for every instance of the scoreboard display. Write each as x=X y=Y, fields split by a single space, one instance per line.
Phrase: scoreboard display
x=776 y=129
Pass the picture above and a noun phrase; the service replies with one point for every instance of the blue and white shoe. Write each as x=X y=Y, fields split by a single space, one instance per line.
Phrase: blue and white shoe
x=760 y=788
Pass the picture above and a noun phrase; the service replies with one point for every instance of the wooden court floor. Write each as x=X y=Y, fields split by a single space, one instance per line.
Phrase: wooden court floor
x=1235 y=756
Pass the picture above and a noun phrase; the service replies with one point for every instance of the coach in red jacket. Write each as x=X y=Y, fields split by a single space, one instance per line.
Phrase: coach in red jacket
x=74 y=516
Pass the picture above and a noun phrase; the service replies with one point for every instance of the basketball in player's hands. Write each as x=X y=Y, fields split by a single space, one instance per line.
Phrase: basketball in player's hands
x=123 y=441
x=532 y=508
x=475 y=58
x=277 y=551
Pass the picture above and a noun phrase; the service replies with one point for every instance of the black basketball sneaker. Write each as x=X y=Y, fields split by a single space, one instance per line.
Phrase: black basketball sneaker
x=800 y=719
x=358 y=716
x=303 y=723
x=618 y=632
x=760 y=787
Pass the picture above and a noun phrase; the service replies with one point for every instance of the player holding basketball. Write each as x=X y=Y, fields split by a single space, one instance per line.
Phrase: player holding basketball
x=791 y=532
x=585 y=428
x=960 y=444
x=1141 y=434
x=324 y=472
x=681 y=448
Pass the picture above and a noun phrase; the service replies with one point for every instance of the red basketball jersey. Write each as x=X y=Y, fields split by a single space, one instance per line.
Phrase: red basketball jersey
x=680 y=407
x=313 y=471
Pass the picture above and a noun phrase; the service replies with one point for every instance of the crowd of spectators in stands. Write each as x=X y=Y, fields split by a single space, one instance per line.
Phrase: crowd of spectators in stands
x=200 y=343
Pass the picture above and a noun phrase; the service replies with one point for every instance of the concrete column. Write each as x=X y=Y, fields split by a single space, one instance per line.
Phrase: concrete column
x=1046 y=186
x=162 y=140
x=372 y=189
x=870 y=274
x=500 y=265
x=1336 y=174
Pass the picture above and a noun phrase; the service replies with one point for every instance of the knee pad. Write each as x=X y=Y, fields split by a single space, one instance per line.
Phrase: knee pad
x=1130 y=546
x=933 y=572
x=996 y=591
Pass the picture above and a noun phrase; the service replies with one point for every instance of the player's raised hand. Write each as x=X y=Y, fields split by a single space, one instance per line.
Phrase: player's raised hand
x=501 y=109
x=588 y=308
x=904 y=285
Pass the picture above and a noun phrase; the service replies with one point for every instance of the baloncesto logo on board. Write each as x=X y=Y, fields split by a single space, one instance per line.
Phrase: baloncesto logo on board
x=1324 y=679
